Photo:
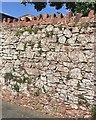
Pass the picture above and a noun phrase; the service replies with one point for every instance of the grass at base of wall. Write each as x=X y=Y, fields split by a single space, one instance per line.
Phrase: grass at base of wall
x=93 y=112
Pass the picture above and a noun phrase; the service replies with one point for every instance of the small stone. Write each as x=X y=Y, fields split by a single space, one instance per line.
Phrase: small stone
x=72 y=40
x=29 y=52
x=67 y=33
x=20 y=47
x=83 y=108
x=49 y=28
x=26 y=33
x=17 y=62
x=62 y=40
x=52 y=67
x=74 y=106
x=75 y=30
x=87 y=116
x=76 y=73
x=14 y=57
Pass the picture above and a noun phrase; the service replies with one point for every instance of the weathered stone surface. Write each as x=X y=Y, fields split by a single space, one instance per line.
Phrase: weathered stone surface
x=26 y=33
x=67 y=33
x=62 y=40
x=75 y=30
x=76 y=73
x=72 y=40
x=29 y=53
x=20 y=47
x=55 y=65
x=50 y=28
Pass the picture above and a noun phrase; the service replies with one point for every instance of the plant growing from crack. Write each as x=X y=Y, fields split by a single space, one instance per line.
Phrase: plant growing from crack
x=16 y=87
x=81 y=99
x=60 y=27
x=19 y=32
x=36 y=93
x=35 y=31
x=93 y=112
x=8 y=75
x=43 y=87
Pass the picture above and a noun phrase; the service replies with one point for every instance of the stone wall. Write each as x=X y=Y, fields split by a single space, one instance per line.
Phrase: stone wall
x=54 y=60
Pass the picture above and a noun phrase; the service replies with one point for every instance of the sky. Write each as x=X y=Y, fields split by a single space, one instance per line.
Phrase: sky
x=16 y=9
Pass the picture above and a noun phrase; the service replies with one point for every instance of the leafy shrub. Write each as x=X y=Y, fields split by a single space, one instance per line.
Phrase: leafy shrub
x=47 y=34
x=60 y=27
x=36 y=93
x=16 y=87
x=93 y=112
x=43 y=87
x=35 y=30
x=19 y=32
x=8 y=76
x=30 y=31
x=25 y=79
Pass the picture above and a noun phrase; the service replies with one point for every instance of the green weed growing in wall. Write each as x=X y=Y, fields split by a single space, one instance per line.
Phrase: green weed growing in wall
x=8 y=75
x=93 y=112
x=16 y=87
x=60 y=27
x=19 y=32
x=43 y=87
x=36 y=93
x=35 y=31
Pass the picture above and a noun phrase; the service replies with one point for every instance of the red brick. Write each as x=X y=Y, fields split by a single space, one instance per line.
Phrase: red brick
x=52 y=16
x=45 y=16
x=4 y=20
x=39 y=16
x=91 y=14
x=26 y=19
x=60 y=15
x=69 y=15
x=9 y=20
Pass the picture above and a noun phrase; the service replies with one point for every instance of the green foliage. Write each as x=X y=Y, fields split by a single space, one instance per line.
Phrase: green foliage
x=93 y=112
x=80 y=96
x=25 y=79
x=30 y=31
x=60 y=27
x=49 y=34
x=8 y=76
x=75 y=7
x=36 y=93
x=16 y=87
x=19 y=32
x=85 y=25
x=35 y=31
x=43 y=87
x=81 y=99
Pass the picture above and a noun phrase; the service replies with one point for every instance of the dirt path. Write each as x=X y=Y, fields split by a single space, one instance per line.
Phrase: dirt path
x=10 y=110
